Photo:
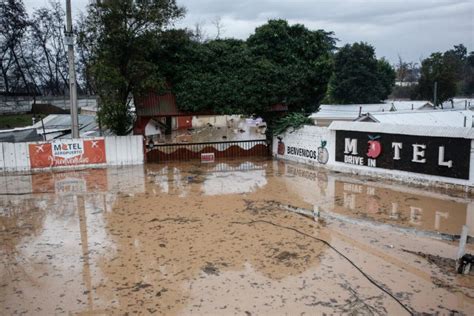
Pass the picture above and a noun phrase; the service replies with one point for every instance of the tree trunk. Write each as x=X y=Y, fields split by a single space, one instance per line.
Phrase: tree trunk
x=20 y=69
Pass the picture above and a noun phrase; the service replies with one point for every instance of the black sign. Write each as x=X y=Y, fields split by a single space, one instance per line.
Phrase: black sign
x=440 y=156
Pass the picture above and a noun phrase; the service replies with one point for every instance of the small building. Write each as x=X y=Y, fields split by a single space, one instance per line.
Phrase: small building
x=159 y=119
x=350 y=112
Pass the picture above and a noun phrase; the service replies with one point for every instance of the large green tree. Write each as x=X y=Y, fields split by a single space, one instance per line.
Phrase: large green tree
x=453 y=70
x=359 y=77
x=212 y=77
x=467 y=84
x=386 y=78
x=279 y=64
x=122 y=35
x=298 y=63
x=437 y=68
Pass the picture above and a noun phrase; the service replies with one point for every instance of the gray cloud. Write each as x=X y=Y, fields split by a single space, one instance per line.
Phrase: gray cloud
x=411 y=28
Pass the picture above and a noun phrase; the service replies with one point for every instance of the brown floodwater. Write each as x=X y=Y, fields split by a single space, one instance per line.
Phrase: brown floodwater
x=219 y=239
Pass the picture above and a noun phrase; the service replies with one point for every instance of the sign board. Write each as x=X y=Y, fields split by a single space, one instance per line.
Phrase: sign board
x=208 y=158
x=67 y=152
x=439 y=156
x=319 y=154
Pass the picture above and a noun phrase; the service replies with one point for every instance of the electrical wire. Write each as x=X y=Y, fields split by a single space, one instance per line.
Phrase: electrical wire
x=338 y=252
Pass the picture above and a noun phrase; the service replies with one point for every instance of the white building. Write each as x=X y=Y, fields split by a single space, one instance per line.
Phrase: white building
x=453 y=118
x=350 y=112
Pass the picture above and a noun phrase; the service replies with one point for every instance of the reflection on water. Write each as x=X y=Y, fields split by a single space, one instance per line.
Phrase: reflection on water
x=379 y=201
x=439 y=214
x=189 y=238
x=49 y=225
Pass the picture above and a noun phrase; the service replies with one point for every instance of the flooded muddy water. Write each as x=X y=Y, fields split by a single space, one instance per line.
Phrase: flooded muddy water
x=218 y=239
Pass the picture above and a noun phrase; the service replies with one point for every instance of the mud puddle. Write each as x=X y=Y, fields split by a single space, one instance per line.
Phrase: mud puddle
x=214 y=240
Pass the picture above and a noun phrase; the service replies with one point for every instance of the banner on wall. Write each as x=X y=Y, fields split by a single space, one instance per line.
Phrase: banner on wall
x=320 y=154
x=67 y=152
x=438 y=156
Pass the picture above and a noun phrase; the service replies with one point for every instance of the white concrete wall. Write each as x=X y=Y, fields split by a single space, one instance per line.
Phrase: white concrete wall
x=309 y=137
x=120 y=151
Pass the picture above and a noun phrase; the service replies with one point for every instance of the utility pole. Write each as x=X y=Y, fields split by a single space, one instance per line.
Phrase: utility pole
x=435 y=92
x=69 y=38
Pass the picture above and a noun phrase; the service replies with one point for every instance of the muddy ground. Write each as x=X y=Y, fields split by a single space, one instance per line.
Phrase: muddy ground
x=218 y=239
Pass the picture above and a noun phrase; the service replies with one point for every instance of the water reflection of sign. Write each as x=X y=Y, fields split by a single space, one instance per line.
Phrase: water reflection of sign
x=71 y=182
x=399 y=208
x=68 y=185
x=208 y=158
x=447 y=157
x=304 y=173
x=67 y=152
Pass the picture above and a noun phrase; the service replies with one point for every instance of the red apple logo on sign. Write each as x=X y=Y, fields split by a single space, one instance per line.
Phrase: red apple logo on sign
x=375 y=148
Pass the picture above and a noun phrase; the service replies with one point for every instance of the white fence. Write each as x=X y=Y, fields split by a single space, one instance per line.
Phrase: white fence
x=119 y=151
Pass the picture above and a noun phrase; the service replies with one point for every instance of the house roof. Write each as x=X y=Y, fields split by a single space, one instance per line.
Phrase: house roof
x=424 y=118
x=19 y=135
x=410 y=105
x=55 y=126
x=62 y=123
x=438 y=131
x=351 y=111
x=459 y=104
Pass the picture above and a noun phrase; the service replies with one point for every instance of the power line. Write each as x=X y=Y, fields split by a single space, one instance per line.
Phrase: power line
x=338 y=252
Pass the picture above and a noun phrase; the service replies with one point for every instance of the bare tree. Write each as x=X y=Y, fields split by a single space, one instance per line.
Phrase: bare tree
x=199 y=34
x=85 y=45
x=47 y=42
x=402 y=69
x=15 y=63
x=217 y=22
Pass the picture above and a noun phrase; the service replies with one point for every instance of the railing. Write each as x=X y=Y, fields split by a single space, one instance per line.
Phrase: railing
x=221 y=150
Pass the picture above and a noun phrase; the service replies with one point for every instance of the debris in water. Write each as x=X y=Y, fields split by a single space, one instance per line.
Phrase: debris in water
x=210 y=269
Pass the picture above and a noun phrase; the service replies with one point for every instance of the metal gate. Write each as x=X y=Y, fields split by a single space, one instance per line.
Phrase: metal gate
x=221 y=150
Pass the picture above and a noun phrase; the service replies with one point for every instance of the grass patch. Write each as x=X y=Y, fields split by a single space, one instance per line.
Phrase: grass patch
x=18 y=120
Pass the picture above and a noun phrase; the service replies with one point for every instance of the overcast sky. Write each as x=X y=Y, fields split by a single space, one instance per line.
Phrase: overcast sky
x=410 y=28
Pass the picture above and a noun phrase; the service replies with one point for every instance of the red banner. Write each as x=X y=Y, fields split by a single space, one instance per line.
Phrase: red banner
x=67 y=152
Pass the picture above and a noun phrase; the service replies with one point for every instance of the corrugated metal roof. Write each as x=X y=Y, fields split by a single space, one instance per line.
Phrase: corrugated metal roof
x=459 y=104
x=409 y=105
x=351 y=111
x=55 y=126
x=425 y=118
x=20 y=135
x=435 y=131
x=62 y=123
